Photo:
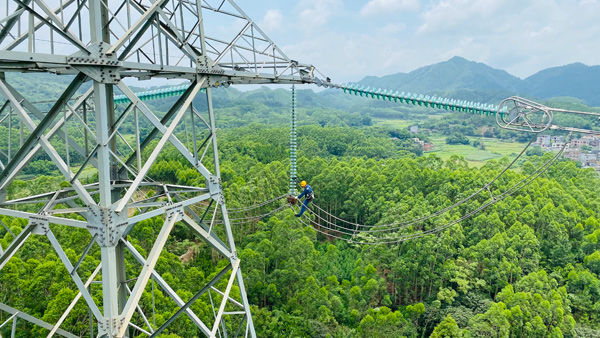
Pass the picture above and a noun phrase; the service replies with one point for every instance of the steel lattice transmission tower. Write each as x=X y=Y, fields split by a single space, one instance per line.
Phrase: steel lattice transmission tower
x=98 y=44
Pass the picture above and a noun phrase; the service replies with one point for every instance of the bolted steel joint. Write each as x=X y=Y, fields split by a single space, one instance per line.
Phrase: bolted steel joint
x=214 y=185
x=41 y=224
x=175 y=212
x=98 y=66
x=106 y=225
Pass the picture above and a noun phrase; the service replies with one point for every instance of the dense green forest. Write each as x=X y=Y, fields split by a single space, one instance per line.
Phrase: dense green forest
x=526 y=267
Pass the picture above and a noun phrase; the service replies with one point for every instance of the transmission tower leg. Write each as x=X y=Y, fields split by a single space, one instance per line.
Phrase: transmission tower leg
x=5 y=107
x=233 y=259
x=113 y=269
x=113 y=291
x=153 y=31
x=113 y=263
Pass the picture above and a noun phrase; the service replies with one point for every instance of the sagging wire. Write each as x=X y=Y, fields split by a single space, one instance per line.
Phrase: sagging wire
x=404 y=224
x=402 y=238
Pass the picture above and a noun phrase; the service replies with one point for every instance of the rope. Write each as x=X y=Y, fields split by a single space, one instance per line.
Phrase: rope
x=255 y=206
x=249 y=219
x=254 y=218
x=404 y=224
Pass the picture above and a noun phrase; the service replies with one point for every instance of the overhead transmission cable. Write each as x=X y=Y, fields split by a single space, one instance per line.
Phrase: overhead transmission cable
x=256 y=206
x=494 y=199
x=242 y=220
x=404 y=224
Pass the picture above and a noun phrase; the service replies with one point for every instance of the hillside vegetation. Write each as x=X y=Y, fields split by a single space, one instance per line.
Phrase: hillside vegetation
x=469 y=80
x=526 y=266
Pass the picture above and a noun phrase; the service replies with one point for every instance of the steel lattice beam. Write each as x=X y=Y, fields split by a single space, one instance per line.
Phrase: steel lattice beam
x=103 y=42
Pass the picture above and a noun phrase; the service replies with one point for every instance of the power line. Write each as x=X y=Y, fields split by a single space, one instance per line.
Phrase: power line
x=404 y=224
x=393 y=240
x=255 y=206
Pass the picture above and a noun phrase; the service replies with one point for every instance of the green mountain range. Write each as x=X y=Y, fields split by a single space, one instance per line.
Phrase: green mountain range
x=464 y=79
x=457 y=78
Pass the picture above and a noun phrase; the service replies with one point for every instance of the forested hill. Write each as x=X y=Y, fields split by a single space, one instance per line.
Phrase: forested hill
x=450 y=77
x=456 y=78
x=332 y=107
x=525 y=267
x=576 y=80
x=471 y=80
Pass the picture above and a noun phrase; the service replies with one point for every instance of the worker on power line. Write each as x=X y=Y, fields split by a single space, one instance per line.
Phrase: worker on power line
x=308 y=195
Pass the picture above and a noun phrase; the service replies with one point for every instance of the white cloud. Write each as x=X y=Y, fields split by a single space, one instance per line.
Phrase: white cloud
x=316 y=13
x=449 y=14
x=393 y=28
x=272 y=20
x=350 y=58
x=374 y=7
x=520 y=37
x=541 y=32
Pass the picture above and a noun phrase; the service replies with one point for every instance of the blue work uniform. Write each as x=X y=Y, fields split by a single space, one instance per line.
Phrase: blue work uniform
x=308 y=195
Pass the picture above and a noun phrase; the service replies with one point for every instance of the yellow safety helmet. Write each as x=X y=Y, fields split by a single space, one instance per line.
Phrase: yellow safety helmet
x=303 y=184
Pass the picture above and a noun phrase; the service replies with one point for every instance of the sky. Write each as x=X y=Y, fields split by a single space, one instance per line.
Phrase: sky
x=348 y=40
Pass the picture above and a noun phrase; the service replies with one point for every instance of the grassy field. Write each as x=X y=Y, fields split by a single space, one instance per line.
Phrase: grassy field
x=400 y=123
x=494 y=148
x=394 y=123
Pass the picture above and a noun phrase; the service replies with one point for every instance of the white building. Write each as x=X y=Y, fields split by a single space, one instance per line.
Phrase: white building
x=558 y=145
x=587 y=158
x=544 y=141
x=572 y=154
